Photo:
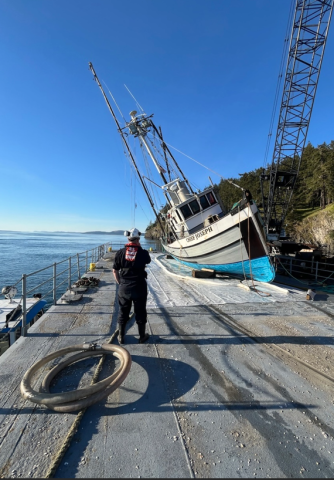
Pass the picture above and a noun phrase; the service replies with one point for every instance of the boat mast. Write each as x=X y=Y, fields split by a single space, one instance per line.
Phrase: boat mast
x=136 y=128
x=141 y=135
x=165 y=155
x=126 y=145
x=165 y=147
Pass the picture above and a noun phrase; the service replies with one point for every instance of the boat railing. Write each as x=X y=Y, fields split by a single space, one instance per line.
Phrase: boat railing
x=47 y=285
x=311 y=270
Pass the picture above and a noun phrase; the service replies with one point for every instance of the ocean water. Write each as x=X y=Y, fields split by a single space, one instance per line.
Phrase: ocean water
x=24 y=253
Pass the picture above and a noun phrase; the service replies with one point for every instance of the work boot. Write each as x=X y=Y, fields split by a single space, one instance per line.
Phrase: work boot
x=143 y=337
x=121 y=333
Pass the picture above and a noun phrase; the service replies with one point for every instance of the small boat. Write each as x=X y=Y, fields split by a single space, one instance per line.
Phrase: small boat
x=198 y=231
x=11 y=315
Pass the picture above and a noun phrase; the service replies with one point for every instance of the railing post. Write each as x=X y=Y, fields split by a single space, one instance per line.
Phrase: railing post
x=54 y=284
x=69 y=273
x=78 y=266
x=86 y=261
x=24 y=306
x=316 y=271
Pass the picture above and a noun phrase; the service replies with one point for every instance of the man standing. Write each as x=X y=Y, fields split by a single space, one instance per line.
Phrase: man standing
x=129 y=272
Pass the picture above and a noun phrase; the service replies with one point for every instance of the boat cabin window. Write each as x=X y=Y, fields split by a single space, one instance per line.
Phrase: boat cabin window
x=194 y=206
x=211 y=198
x=204 y=202
x=186 y=212
x=207 y=200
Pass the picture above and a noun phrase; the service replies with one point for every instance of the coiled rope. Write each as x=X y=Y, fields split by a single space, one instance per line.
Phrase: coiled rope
x=83 y=397
x=104 y=389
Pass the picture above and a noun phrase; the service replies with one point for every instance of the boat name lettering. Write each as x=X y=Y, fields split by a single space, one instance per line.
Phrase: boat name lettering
x=190 y=239
x=199 y=234
x=203 y=232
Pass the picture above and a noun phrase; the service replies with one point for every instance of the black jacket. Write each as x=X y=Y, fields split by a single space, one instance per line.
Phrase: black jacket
x=132 y=273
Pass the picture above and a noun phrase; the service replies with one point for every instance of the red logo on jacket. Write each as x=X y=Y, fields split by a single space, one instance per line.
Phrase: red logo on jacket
x=131 y=251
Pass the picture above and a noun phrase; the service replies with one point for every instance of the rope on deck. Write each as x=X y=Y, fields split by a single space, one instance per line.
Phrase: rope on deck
x=75 y=425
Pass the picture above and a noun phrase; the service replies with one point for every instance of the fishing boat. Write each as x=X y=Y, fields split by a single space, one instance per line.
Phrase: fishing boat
x=197 y=229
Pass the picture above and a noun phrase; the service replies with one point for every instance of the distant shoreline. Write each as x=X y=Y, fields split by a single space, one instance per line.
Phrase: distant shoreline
x=115 y=232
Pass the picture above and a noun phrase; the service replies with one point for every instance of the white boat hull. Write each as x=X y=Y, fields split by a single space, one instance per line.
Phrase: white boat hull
x=235 y=244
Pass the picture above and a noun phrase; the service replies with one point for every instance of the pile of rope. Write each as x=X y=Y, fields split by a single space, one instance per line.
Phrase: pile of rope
x=87 y=282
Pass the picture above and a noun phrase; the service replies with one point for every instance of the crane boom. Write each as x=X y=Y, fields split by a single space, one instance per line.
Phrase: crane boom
x=306 y=50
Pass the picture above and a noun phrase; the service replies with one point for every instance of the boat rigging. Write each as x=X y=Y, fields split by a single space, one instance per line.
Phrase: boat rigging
x=197 y=230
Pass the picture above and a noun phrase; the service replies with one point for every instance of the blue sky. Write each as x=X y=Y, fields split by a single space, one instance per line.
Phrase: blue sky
x=206 y=69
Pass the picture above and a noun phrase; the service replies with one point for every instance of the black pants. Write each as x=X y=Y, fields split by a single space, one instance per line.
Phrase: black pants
x=136 y=295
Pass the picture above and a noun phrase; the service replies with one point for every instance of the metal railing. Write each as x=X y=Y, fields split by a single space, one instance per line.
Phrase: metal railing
x=49 y=284
x=300 y=268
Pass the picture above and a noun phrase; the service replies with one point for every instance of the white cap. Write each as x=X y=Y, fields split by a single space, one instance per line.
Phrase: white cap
x=132 y=234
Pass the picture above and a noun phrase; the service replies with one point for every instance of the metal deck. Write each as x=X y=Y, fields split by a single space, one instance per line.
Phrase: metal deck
x=235 y=381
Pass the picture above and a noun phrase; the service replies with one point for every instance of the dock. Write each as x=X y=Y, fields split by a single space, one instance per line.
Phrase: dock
x=236 y=381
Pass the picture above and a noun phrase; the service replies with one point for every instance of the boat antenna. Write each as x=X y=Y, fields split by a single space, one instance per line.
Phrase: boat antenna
x=134 y=98
x=126 y=144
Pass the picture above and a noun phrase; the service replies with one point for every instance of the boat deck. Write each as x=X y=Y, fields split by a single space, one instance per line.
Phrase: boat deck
x=235 y=381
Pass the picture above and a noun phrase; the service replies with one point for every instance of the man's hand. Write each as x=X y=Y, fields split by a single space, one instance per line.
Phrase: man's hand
x=116 y=275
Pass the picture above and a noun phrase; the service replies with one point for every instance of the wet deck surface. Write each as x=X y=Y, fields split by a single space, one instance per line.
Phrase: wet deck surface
x=234 y=382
